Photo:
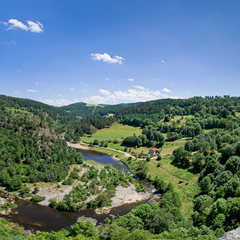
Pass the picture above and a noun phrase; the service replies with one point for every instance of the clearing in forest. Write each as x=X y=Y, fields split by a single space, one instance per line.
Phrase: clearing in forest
x=117 y=131
x=184 y=180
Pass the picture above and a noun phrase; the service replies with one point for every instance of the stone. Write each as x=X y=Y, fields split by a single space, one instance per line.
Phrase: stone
x=232 y=235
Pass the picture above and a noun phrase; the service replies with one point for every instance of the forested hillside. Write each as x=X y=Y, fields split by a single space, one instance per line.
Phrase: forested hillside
x=30 y=150
x=85 y=110
x=59 y=119
x=206 y=129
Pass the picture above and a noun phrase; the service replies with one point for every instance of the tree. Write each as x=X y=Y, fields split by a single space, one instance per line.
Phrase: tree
x=206 y=184
x=85 y=228
x=130 y=222
x=15 y=183
x=181 y=157
x=233 y=164
x=227 y=151
x=198 y=161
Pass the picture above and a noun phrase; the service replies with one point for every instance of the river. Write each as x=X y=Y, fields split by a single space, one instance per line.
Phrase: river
x=37 y=217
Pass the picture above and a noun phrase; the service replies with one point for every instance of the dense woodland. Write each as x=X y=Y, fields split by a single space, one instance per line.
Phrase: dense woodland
x=86 y=110
x=31 y=149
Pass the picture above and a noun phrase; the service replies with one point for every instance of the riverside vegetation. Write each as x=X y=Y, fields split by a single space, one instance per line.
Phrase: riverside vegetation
x=199 y=144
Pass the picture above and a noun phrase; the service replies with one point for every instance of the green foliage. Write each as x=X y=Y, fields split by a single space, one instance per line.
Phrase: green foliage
x=9 y=233
x=181 y=157
x=85 y=228
x=149 y=138
x=37 y=198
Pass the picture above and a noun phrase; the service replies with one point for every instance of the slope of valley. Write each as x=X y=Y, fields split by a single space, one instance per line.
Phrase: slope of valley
x=189 y=149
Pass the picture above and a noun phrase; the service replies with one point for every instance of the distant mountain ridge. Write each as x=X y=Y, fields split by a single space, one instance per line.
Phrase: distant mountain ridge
x=82 y=109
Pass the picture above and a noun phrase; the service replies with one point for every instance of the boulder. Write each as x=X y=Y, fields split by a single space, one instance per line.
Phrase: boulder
x=232 y=235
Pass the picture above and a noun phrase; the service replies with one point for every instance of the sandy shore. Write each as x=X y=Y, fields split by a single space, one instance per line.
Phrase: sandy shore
x=77 y=146
x=124 y=196
x=51 y=191
x=128 y=195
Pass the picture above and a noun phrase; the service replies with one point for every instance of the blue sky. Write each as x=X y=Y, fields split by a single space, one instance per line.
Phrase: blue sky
x=111 y=51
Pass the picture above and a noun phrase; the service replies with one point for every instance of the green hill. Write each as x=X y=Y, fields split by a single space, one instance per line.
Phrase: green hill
x=84 y=110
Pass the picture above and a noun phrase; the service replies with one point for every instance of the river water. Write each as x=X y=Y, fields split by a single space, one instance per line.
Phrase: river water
x=36 y=217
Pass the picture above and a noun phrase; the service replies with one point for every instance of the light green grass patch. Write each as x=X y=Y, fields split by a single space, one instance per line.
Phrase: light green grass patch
x=168 y=147
x=117 y=131
x=184 y=182
x=175 y=118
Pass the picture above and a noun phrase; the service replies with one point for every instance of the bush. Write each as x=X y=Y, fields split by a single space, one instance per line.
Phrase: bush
x=37 y=198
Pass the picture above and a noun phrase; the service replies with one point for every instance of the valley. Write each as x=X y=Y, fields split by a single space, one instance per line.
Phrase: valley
x=154 y=168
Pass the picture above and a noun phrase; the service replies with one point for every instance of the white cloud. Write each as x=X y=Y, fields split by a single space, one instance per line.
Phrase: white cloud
x=163 y=61
x=72 y=89
x=36 y=27
x=32 y=90
x=166 y=90
x=106 y=58
x=139 y=87
x=57 y=102
x=136 y=94
x=31 y=26
x=104 y=92
x=14 y=23
x=131 y=79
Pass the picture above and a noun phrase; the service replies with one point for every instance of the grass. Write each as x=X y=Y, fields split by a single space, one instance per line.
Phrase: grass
x=117 y=131
x=184 y=180
x=175 y=118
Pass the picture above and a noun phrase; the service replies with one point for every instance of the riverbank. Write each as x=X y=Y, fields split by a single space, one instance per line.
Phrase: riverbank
x=78 y=146
x=107 y=150
x=41 y=217
x=123 y=195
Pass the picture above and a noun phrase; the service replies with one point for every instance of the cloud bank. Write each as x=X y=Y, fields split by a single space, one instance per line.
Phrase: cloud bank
x=136 y=94
x=31 y=26
x=166 y=90
x=106 y=58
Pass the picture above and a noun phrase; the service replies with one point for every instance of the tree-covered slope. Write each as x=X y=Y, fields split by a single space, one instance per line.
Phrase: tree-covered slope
x=30 y=150
x=84 y=110
x=61 y=120
x=43 y=111
x=219 y=106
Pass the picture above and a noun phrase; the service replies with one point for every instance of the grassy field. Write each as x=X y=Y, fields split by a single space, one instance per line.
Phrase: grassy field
x=117 y=131
x=184 y=180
